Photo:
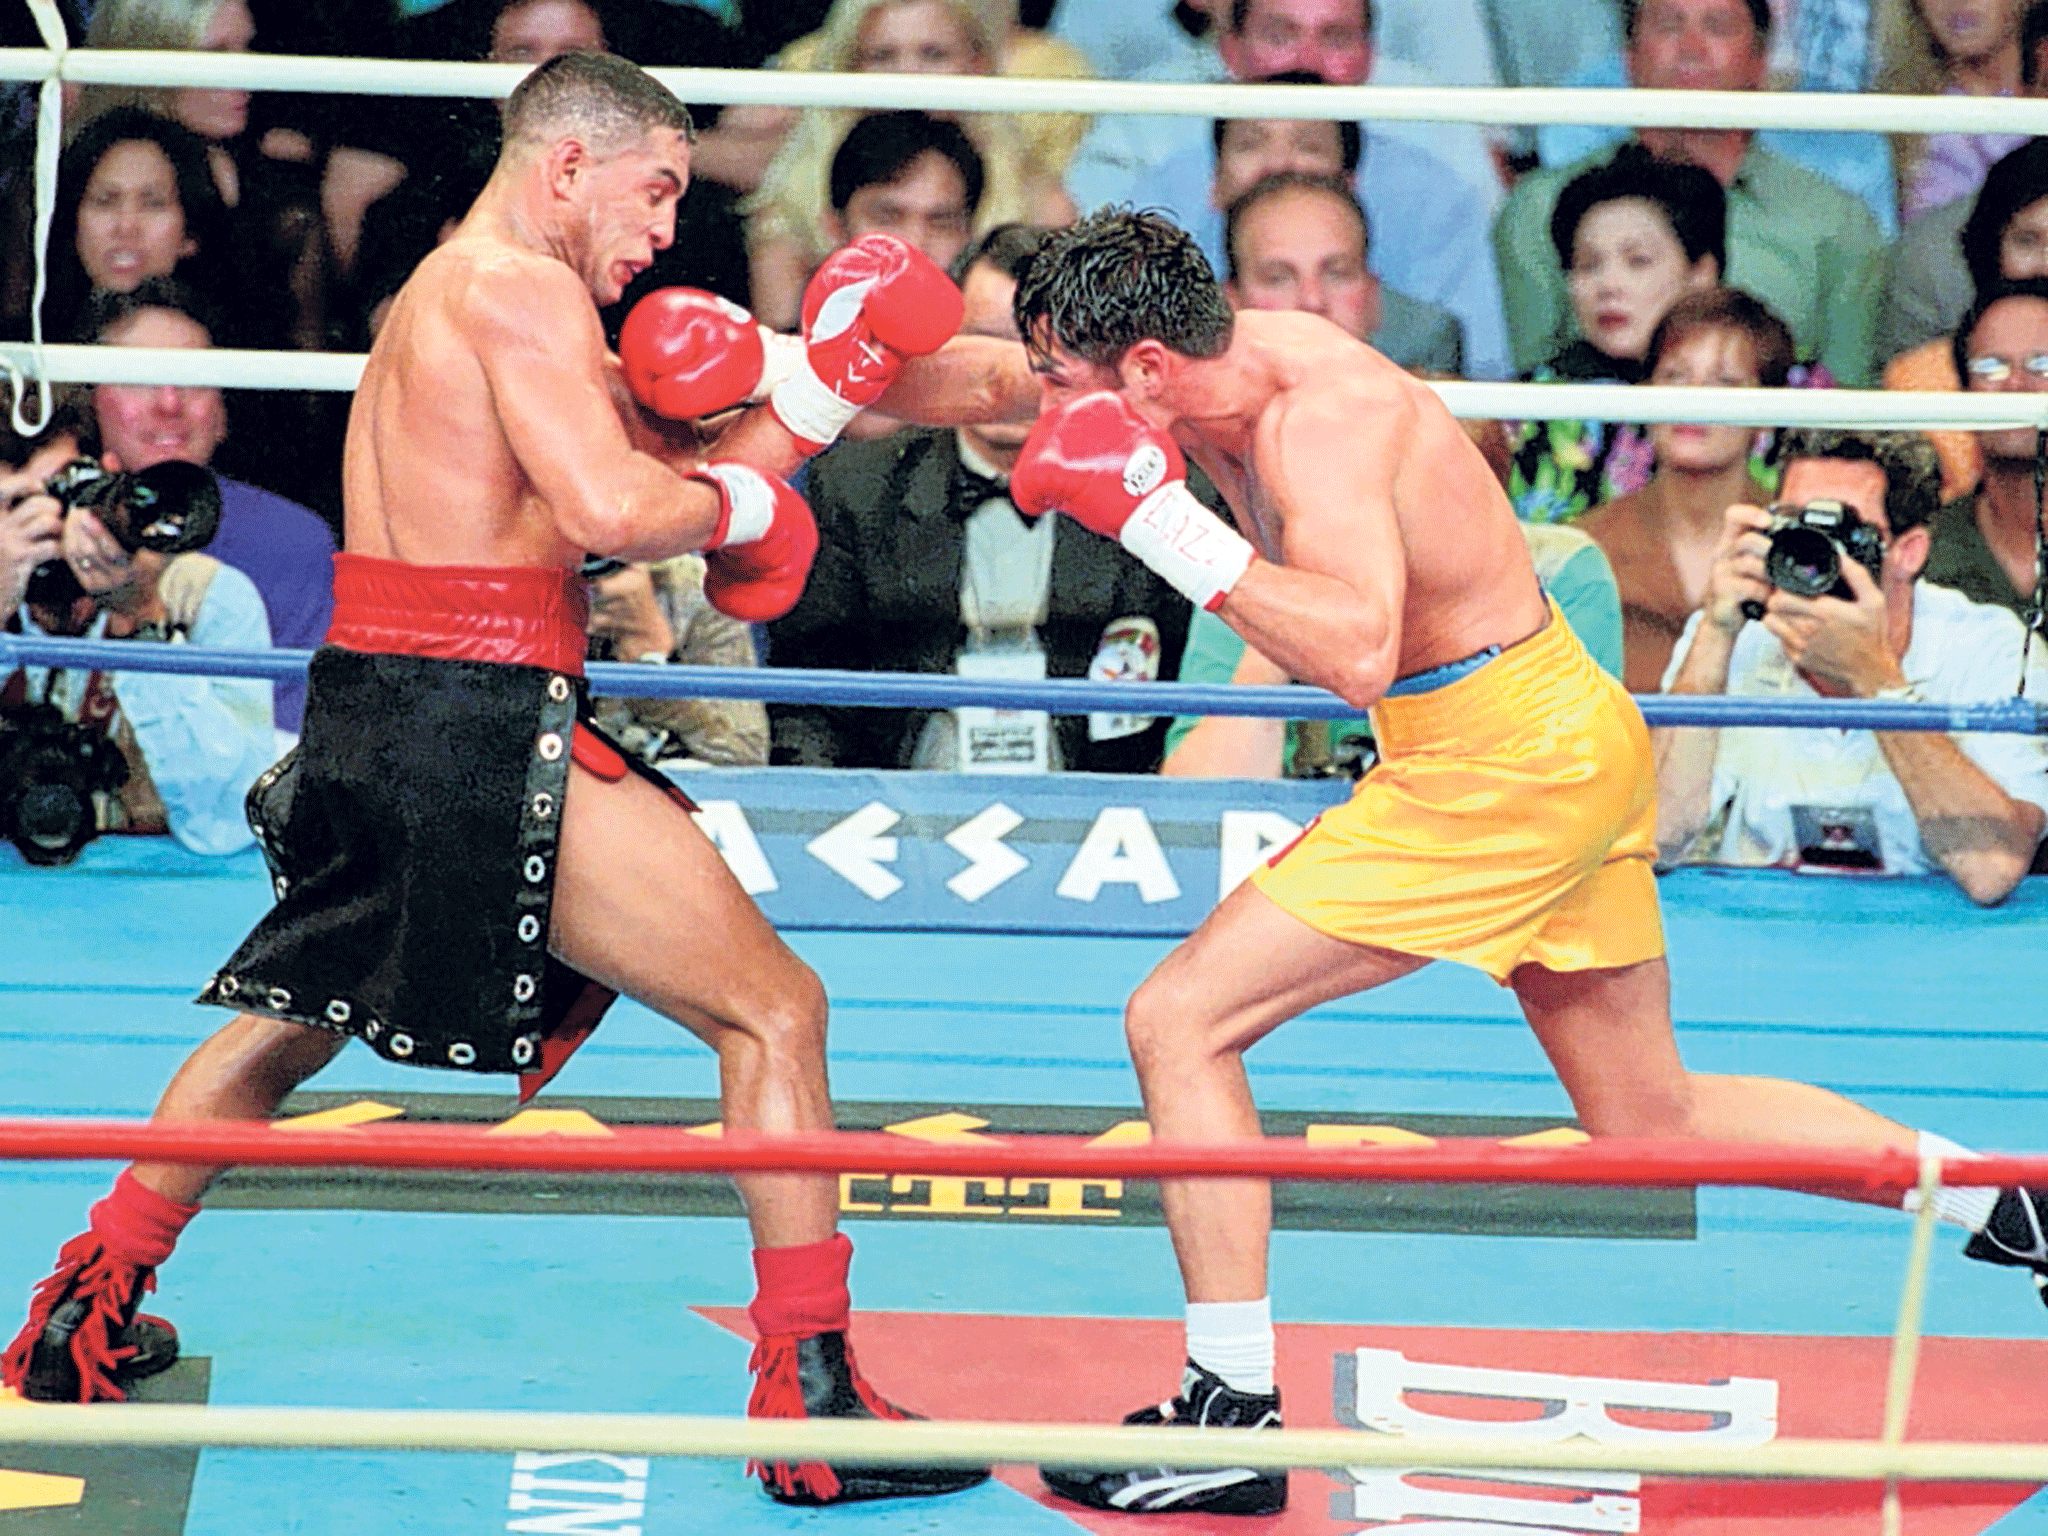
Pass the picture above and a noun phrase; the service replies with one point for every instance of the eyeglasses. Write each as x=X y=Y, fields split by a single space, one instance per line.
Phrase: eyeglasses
x=1999 y=370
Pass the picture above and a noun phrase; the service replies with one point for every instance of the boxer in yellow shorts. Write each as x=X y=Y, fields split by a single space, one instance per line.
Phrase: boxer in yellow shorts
x=1509 y=821
x=1509 y=825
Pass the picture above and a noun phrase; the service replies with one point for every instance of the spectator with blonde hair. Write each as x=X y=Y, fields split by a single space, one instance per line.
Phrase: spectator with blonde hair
x=1948 y=48
x=789 y=231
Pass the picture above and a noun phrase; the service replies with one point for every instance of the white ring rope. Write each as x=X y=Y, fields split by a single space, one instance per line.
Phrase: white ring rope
x=341 y=372
x=954 y=1442
x=224 y=368
x=49 y=142
x=1621 y=107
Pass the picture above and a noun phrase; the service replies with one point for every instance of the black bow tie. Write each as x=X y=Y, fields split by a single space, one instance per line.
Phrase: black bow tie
x=971 y=490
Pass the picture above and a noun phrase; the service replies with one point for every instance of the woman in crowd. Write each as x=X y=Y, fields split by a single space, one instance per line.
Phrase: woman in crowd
x=2005 y=239
x=135 y=200
x=272 y=193
x=1634 y=236
x=1661 y=539
x=1953 y=48
x=788 y=231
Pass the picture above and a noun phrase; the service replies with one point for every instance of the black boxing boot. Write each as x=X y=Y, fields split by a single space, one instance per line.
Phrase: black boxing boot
x=815 y=1377
x=84 y=1342
x=1204 y=1402
x=2016 y=1234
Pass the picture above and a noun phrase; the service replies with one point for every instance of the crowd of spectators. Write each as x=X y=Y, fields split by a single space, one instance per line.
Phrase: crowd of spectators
x=203 y=217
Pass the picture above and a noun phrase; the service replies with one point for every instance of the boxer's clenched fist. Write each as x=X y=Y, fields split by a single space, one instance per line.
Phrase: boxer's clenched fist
x=868 y=307
x=1100 y=462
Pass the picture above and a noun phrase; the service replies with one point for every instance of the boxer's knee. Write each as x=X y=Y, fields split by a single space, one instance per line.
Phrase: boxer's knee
x=1162 y=1025
x=790 y=1021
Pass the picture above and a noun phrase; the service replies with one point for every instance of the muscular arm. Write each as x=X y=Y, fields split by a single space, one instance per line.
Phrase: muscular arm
x=542 y=352
x=1331 y=615
x=969 y=379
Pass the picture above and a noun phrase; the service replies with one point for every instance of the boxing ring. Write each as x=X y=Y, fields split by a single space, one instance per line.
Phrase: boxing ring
x=417 y=1307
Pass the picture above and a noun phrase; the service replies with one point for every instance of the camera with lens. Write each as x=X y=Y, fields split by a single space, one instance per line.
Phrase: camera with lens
x=1807 y=547
x=170 y=507
x=50 y=770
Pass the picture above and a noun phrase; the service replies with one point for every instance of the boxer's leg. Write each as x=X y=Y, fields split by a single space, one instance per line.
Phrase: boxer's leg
x=645 y=904
x=1249 y=968
x=1608 y=1033
x=84 y=1339
x=243 y=1072
x=1608 y=1036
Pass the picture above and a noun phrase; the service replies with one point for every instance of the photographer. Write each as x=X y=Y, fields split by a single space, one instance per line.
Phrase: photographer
x=657 y=613
x=192 y=746
x=1901 y=801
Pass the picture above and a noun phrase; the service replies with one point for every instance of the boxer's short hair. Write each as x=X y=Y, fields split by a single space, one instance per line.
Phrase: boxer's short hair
x=609 y=100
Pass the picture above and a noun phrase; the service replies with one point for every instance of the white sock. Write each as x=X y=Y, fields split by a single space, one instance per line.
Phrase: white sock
x=1964 y=1205
x=1235 y=1340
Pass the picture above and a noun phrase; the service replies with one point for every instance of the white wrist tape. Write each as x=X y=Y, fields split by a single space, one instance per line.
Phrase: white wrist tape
x=781 y=356
x=806 y=406
x=1195 y=551
x=749 y=503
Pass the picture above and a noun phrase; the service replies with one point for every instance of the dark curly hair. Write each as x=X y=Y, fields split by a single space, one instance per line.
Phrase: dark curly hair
x=1692 y=202
x=1118 y=277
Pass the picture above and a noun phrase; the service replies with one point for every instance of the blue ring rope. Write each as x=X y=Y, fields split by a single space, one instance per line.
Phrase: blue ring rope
x=1069 y=696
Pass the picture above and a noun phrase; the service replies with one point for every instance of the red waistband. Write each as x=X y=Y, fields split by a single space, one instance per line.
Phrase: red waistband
x=533 y=615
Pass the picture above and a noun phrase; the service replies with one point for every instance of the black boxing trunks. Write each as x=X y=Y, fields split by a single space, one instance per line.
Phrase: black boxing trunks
x=411 y=835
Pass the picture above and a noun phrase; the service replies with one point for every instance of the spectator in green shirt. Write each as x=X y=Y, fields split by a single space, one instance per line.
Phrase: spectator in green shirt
x=1809 y=250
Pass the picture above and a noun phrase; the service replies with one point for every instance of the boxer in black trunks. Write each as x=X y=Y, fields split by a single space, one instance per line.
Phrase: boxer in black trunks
x=466 y=874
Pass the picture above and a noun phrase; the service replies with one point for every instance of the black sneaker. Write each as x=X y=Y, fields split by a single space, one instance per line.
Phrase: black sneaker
x=1205 y=1402
x=2016 y=1234
x=84 y=1341
x=816 y=1378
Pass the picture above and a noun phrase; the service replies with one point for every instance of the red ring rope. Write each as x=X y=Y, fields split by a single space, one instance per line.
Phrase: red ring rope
x=637 y=1149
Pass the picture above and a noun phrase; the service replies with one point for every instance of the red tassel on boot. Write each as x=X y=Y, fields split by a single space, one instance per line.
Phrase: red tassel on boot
x=779 y=1394
x=109 y=1288
x=82 y=1319
x=799 y=1293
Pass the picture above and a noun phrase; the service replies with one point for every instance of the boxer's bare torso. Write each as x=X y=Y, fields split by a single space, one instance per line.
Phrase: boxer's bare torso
x=490 y=427
x=1338 y=463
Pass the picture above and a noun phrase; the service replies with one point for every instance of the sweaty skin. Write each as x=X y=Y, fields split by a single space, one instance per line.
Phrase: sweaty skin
x=1389 y=545
x=491 y=426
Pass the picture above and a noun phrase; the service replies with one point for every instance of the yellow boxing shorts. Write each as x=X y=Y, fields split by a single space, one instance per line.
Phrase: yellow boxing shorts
x=1511 y=820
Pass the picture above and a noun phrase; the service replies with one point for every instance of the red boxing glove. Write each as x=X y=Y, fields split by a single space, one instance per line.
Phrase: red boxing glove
x=757 y=559
x=1097 y=460
x=687 y=353
x=871 y=305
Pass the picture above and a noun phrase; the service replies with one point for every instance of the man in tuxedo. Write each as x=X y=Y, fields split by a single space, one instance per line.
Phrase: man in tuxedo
x=924 y=566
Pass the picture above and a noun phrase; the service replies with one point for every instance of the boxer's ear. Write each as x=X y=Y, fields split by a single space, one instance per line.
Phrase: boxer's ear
x=1146 y=368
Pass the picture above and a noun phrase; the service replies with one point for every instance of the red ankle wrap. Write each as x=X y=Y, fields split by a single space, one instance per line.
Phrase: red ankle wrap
x=802 y=1291
x=138 y=1225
